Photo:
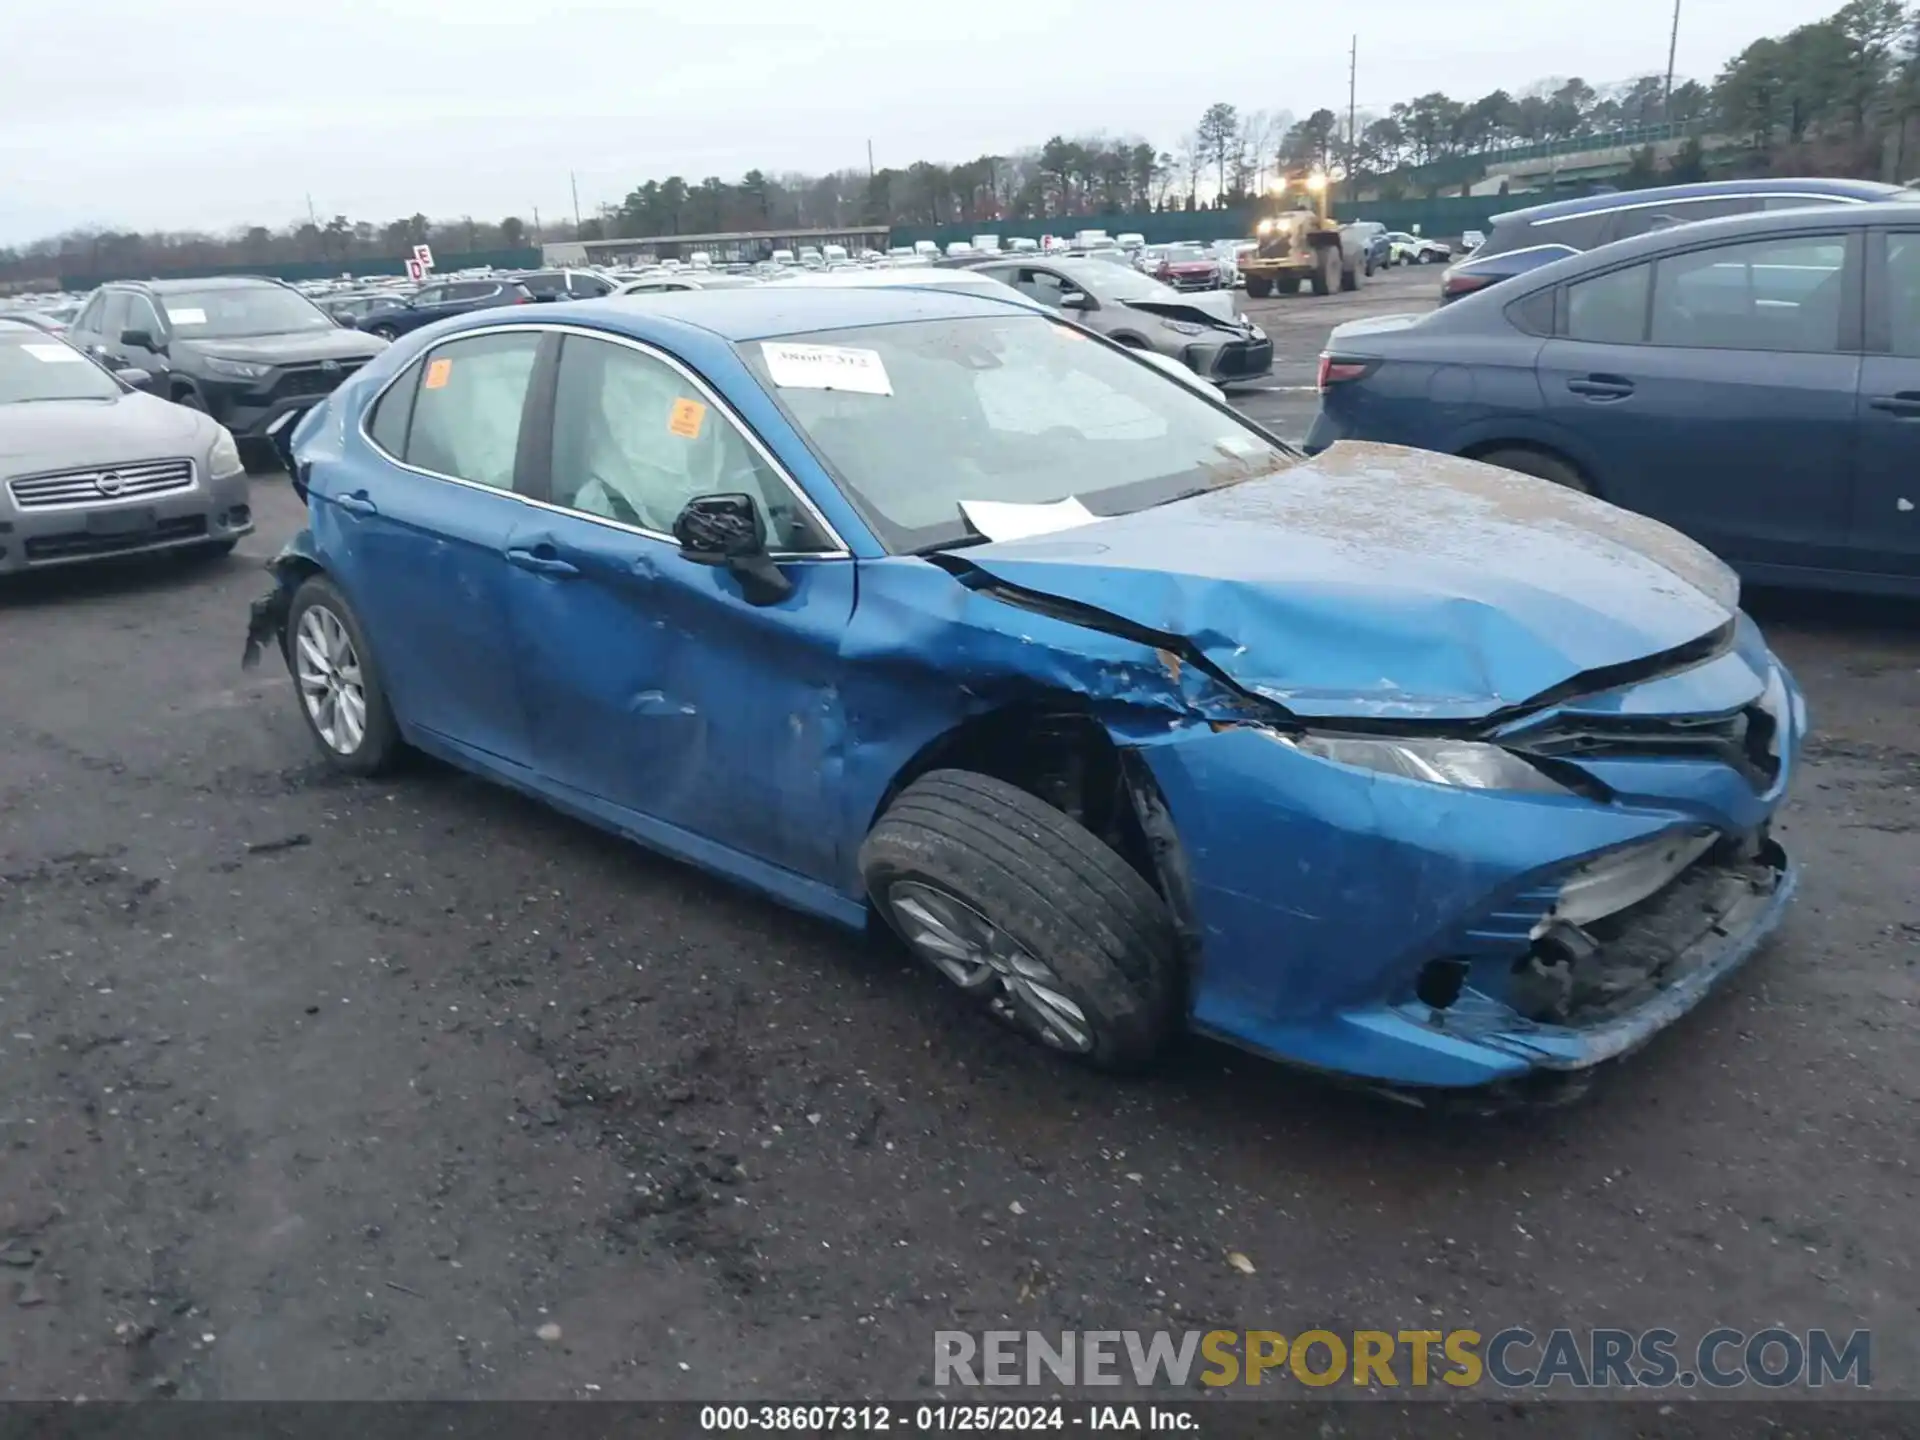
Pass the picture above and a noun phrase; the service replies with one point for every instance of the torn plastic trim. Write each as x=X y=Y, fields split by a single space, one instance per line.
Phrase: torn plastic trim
x=1176 y=649
x=267 y=616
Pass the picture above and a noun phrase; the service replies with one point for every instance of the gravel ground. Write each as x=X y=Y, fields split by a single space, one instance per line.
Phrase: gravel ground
x=413 y=1088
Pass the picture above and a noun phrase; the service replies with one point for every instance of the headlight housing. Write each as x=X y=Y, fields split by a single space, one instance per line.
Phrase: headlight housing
x=223 y=456
x=234 y=369
x=1462 y=764
x=1181 y=327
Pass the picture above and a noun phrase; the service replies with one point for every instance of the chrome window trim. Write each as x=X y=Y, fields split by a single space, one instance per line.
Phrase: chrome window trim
x=1761 y=195
x=840 y=551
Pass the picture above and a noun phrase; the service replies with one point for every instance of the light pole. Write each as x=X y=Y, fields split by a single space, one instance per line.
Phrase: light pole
x=1673 y=46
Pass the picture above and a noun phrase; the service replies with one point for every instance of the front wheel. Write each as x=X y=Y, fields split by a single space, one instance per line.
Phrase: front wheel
x=341 y=694
x=1023 y=910
x=385 y=332
x=1259 y=287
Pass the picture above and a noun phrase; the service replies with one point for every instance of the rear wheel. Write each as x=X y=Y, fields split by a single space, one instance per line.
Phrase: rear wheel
x=1290 y=286
x=1349 y=280
x=1540 y=465
x=385 y=332
x=341 y=693
x=1023 y=910
x=1259 y=286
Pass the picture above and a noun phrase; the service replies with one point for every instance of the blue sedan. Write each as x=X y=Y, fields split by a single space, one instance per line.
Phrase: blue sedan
x=1753 y=381
x=1123 y=715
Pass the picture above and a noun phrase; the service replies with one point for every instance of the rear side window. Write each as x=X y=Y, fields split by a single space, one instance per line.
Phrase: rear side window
x=1903 y=293
x=1610 y=309
x=468 y=407
x=392 y=411
x=1533 y=314
x=1783 y=294
x=550 y=287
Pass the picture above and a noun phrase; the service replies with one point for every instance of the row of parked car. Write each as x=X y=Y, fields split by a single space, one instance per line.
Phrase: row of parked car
x=1740 y=359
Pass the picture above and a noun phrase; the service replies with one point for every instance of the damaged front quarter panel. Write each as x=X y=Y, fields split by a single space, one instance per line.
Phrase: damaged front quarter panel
x=267 y=616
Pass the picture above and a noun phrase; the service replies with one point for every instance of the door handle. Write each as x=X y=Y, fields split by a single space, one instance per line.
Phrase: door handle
x=540 y=563
x=1905 y=404
x=1602 y=387
x=356 y=503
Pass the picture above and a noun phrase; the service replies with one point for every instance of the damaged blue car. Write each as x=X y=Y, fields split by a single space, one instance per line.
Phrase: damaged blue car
x=1124 y=715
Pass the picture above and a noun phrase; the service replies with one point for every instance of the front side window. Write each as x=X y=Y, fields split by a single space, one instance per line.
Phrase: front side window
x=1780 y=294
x=241 y=311
x=1610 y=309
x=430 y=295
x=468 y=407
x=634 y=440
x=141 y=316
x=1013 y=408
x=113 y=316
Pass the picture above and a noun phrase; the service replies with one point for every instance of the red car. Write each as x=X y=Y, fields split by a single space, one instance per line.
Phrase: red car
x=1188 y=267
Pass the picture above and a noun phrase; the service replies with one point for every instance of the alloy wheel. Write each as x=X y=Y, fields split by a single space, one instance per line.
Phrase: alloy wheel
x=331 y=685
x=986 y=962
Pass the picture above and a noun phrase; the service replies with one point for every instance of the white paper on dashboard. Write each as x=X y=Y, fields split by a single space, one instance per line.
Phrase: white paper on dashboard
x=54 y=354
x=1010 y=520
x=826 y=367
x=186 y=315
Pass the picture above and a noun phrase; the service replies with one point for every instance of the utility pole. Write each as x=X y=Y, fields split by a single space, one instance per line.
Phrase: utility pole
x=574 y=181
x=869 y=159
x=312 y=218
x=1353 y=140
x=1673 y=46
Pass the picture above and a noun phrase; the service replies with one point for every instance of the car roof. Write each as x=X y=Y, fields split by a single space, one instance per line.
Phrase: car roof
x=1701 y=190
x=11 y=325
x=762 y=311
x=210 y=282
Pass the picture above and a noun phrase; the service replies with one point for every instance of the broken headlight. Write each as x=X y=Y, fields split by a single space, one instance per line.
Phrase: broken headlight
x=1464 y=764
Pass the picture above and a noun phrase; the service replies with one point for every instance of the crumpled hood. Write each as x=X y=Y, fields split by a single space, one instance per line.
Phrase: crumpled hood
x=1202 y=307
x=56 y=434
x=1380 y=582
x=301 y=348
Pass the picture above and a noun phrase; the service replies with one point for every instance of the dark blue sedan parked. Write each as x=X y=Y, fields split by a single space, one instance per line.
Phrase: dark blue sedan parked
x=1524 y=240
x=936 y=607
x=1754 y=382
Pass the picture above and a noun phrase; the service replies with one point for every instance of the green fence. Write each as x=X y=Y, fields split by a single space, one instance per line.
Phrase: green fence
x=523 y=259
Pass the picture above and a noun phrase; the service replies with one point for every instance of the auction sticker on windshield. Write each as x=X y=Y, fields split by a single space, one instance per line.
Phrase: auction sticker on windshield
x=186 y=315
x=54 y=354
x=687 y=417
x=826 y=367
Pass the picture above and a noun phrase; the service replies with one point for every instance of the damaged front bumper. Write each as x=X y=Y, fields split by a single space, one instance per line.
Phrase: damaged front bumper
x=1422 y=936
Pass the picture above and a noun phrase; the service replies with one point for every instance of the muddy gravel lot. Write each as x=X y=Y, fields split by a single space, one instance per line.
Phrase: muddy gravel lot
x=314 y=1088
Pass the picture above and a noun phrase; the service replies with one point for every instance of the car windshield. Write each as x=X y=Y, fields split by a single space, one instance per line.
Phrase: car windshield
x=35 y=366
x=1180 y=253
x=241 y=311
x=1016 y=408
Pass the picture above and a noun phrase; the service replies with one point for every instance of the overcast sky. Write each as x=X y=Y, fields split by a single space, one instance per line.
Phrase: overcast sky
x=204 y=114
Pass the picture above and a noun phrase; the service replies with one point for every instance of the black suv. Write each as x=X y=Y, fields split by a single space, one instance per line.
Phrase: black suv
x=249 y=352
x=441 y=298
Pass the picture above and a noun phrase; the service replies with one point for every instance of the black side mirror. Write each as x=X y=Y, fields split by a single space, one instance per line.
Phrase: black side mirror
x=133 y=375
x=138 y=339
x=727 y=530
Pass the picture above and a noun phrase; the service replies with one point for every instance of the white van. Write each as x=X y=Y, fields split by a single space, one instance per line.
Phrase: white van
x=958 y=248
x=700 y=260
x=781 y=257
x=987 y=244
x=925 y=247
x=834 y=254
x=1023 y=245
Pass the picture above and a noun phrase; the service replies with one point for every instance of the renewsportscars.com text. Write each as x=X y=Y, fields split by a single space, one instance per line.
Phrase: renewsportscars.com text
x=1513 y=1358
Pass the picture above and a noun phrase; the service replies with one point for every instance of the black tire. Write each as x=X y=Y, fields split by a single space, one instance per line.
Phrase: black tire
x=1259 y=286
x=385 y=332
x=1540 y=464
x=379 y=742
x=258 y=456
x=191 y=400
x=1370 y=267
x=1349 y=281
x=1131 y=342
x=1290 y=286
x=1326 y=271
x=1047 y=884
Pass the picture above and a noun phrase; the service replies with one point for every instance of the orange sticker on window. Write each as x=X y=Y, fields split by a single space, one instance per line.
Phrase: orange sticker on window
x=687 y=418
x=437 y=374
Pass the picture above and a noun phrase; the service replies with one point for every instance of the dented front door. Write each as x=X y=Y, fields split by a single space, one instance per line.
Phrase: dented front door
x=653 y=686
